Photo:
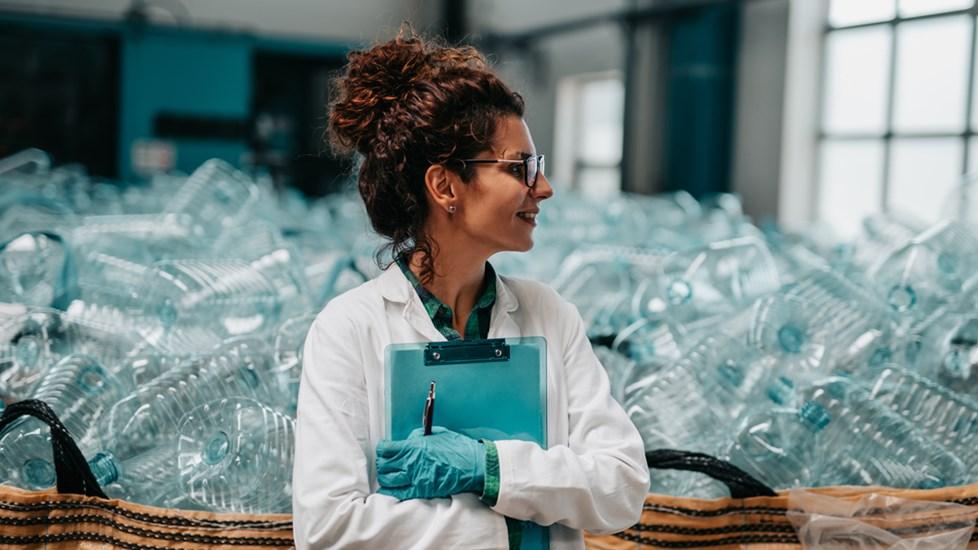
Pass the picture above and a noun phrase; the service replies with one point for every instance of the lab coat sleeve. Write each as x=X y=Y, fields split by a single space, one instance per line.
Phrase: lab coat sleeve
x=333 y=506
x=598 y=482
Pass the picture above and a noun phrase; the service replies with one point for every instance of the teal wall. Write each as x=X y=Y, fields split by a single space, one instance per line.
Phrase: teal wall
x=700 y=100
x=180 y=71
x=184 y=72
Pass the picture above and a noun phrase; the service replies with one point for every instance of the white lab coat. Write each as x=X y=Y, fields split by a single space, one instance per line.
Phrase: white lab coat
x=592 y=477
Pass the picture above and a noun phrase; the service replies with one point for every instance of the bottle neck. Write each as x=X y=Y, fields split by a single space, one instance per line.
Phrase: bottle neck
x=105 y=468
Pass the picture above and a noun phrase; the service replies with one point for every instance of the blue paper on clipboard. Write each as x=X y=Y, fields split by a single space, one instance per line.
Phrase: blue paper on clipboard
x=487 y=389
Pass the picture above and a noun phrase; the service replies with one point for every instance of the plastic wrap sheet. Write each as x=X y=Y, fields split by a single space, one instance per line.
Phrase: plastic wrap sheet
x=875 y=521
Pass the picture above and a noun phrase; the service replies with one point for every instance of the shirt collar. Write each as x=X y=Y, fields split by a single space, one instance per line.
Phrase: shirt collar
x=434 y=306
x=394 y=287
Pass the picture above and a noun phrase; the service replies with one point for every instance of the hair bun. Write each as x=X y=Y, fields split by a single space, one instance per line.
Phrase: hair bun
x=376 y=84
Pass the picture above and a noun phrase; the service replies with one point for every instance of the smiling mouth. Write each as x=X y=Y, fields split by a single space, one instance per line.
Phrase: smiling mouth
x=528 y=217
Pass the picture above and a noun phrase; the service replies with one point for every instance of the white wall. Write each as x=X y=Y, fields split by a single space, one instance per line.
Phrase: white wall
x=796 y=195
x=340 y=20
x=758 y=110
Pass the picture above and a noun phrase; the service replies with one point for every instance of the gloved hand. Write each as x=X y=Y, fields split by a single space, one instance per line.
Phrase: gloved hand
x=439 y=465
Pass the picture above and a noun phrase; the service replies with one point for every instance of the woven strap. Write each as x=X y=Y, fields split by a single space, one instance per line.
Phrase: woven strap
x=74 y=475
x=740 y=483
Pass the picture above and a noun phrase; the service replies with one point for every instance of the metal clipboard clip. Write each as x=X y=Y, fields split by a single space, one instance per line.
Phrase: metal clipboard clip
x=474 y=351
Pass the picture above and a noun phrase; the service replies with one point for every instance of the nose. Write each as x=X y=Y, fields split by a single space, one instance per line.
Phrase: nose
x=542 y=190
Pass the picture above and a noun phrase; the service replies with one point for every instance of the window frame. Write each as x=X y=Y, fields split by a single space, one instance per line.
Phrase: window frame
x=889 y=134
x=569 y=128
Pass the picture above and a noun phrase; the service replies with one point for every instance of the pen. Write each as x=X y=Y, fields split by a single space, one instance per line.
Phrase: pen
x=429 y=409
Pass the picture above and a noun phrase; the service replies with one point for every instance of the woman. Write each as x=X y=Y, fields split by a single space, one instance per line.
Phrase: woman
x=450 y=175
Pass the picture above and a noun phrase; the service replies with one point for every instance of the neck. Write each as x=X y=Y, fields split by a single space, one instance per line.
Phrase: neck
x=458 y=277
x=457 y=280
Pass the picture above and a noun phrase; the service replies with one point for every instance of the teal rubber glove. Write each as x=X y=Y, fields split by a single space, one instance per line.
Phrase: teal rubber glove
x=439 y=465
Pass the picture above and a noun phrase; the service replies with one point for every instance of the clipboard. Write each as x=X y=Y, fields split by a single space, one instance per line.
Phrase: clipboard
x=487 y=389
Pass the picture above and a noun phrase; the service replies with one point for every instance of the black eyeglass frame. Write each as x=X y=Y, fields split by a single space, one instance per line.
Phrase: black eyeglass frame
x=540 y=160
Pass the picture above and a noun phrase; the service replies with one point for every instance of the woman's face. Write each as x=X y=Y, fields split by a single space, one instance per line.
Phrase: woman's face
x=496 y=209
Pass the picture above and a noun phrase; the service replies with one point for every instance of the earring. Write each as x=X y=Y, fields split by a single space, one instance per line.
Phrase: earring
x=451 y=209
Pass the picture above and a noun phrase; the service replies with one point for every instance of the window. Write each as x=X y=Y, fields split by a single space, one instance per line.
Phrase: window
x=898 y=114
x=590 y=121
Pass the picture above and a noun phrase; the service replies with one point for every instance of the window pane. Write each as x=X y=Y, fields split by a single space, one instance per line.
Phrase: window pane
x=599 y=182
x=850 y=183
x=973 y=155
x=602 y=120
x=957 y=203
x=857 y=71
x=974 y=91
x=922 y=173
x=852 y=12
x=910 y=8
x=931 y=72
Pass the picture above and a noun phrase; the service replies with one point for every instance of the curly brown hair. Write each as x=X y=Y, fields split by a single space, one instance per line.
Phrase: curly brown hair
x=403 y=106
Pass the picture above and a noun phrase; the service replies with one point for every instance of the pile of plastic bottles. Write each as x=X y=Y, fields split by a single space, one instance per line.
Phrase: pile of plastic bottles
x=164 y=323
x=804 y=362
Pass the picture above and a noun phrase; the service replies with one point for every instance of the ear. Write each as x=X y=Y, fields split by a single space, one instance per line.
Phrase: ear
x=441 y=184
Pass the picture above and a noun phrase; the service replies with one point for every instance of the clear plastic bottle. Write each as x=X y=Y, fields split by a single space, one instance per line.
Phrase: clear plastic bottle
x=960 y=202
x=110 y=267
x=30 y=159
x=948 y=418
x=928 y=272
x=26 y=459
x=149 y=228
x=670 y=412
x=794 y=253
x=33 y=339
x=149 y=478
x=262 y=246
x=715 y=280
x=649 y=341
x=26 y=211
x=80 y=391
x=145 y=367
x=37 y=269
x=944 y=348
x=728 y=373
x=866 y=444
x=289 y=345
x=332 y=274
x=689 y=405
x=601 y=281
x=230 y=456
x=182 y=299
x=883 y=233
x=840 y=436
x=146 y=420
x=215 y=197
x=777 y=447
x=782 y=329
x=824 y=323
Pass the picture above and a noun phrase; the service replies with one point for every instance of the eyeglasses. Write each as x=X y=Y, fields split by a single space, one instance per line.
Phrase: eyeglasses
x=531 y=166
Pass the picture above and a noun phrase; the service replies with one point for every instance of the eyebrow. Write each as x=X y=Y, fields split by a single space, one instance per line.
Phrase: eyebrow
x=522 y=154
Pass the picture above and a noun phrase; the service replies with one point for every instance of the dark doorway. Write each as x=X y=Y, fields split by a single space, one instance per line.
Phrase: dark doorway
x=289 y=121
x=60 y=92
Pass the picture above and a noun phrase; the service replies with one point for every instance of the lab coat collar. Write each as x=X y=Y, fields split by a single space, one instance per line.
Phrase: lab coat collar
x=502 y=324
x=395 y=288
